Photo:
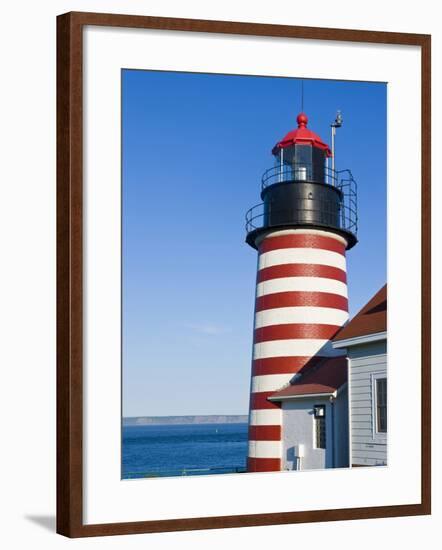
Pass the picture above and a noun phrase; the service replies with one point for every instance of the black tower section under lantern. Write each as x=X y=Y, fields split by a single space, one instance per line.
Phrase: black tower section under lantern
x=300 y=190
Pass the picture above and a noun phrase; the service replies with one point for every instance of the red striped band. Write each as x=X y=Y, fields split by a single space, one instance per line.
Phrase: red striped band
x=301 y=298
x=258 y=400
x=299 y=330
x=283 y=365
x=264 y=433
x=302 y=240
x=301 y=270
x=263 y=464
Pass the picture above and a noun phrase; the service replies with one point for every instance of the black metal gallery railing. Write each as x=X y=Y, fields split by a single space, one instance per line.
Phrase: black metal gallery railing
x=300 y=171
x=304 y=211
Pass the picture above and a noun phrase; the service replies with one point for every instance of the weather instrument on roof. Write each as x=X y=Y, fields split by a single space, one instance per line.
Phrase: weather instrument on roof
x=337 y=123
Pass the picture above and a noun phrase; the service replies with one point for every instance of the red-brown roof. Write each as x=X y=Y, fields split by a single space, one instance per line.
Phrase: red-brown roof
x=371 y=319
x=325 y=378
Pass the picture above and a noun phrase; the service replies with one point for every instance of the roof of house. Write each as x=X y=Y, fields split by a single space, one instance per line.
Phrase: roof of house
x=324 y=378
x=371 y=319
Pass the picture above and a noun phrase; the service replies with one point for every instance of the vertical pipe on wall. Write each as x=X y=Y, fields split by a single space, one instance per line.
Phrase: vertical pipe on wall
x=333 y=431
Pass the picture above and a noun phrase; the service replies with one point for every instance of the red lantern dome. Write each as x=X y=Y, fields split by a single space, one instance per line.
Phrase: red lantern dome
x=302 y=136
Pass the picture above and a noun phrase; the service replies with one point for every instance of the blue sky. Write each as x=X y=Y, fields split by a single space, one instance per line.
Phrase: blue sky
x=194 y=149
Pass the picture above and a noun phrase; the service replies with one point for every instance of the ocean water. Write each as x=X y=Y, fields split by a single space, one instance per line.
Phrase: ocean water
x=187 y=449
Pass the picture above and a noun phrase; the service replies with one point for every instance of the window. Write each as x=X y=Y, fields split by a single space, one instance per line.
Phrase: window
x=381 y=405
x=320 y=433
x=319 y=419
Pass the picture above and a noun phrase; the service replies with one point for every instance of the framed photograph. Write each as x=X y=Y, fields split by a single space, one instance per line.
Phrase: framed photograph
x=243 y=274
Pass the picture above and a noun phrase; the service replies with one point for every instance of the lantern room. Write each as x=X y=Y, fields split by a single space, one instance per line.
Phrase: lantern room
x=302 y=190
x=301 y=155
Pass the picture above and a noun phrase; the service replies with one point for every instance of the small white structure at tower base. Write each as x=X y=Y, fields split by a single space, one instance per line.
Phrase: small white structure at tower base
x=315 y=418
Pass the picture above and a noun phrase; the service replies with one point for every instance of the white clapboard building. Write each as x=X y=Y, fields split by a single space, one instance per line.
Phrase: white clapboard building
x=333 y=412
x=315 y=417
x=364 y=339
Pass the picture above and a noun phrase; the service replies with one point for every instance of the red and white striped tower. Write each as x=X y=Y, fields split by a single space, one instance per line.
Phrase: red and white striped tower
x=301 y=231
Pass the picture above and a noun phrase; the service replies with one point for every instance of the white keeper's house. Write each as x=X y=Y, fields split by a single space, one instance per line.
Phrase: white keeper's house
x=364 y=339
x=334 y=410
x=315 y=417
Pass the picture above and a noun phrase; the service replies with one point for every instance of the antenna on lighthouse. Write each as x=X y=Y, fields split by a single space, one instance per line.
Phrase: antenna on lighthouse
x=302 y=96
x=337 y=123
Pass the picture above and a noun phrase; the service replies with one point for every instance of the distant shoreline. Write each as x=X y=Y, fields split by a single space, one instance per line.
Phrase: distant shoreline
x=189 y=419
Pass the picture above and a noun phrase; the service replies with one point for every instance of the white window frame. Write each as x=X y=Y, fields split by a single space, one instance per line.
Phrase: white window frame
x=380 y=437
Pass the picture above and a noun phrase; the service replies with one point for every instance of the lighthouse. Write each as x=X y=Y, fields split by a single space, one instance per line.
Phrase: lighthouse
x=302 y=229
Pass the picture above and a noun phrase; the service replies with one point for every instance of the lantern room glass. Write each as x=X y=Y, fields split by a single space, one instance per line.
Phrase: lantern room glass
x=301 y=163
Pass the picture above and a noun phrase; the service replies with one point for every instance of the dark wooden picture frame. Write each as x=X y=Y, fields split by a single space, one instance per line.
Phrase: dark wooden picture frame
x=70 y=272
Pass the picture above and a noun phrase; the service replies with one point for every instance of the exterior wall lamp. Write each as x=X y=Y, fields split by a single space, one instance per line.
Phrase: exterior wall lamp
x=319 y=411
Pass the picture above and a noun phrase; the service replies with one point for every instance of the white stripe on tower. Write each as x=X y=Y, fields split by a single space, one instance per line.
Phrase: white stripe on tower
x=301 y=256
x=311 y=315
x=301 y=302
x=309 y=284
